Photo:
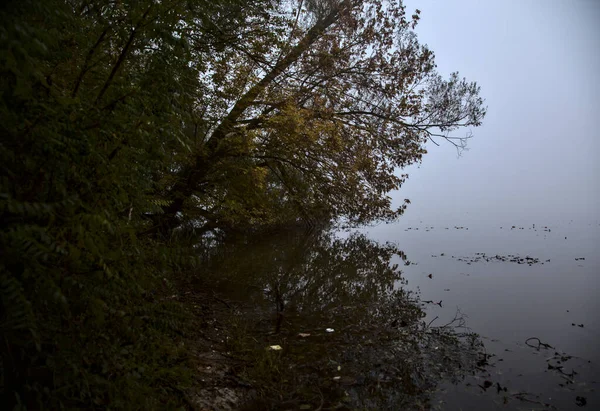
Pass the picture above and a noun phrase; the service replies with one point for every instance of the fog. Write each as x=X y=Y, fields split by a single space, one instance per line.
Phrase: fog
x=535 y=159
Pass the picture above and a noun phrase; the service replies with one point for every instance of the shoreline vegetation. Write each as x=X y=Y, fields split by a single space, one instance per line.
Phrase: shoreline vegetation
x=141 y=141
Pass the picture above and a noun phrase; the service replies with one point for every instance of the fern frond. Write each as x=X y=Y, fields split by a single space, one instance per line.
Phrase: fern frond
x=17 y=312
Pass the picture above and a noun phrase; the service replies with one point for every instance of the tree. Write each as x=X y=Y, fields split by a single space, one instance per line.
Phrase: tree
x=93 y=99
x=315 y=120
x=124 y=118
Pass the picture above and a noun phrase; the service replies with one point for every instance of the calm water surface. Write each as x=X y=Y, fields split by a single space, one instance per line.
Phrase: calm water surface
x=360 y=316
x=507 y=302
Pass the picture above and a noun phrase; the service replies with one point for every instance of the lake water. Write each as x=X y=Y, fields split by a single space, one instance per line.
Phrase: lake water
x=508 y=303
x=359 y=315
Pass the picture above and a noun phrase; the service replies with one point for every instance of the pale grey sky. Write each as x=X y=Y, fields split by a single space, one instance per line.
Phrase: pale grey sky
x=536 y=156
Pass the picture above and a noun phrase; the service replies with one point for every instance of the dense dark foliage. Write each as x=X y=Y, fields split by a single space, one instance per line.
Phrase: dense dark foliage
x=127 y=125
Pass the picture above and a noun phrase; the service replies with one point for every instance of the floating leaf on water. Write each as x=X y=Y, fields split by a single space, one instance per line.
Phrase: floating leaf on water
x=274 y=348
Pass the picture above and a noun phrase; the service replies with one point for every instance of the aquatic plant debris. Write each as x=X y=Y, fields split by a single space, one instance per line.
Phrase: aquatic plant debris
x=512 y=258
x=274 y=348
x=540 y=344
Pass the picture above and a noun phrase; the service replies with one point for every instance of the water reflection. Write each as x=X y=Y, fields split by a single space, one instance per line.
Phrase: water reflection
x=349 y=337
x=510 y=299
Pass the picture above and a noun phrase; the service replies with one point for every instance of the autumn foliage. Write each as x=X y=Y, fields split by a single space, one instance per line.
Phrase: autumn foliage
x=126 y=126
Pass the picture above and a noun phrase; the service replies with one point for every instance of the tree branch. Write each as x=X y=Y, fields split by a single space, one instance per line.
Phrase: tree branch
x=122 y=56
x=247 y=99
x=86 y=63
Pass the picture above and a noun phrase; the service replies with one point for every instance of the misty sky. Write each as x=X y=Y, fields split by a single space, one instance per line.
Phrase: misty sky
x=536 y=157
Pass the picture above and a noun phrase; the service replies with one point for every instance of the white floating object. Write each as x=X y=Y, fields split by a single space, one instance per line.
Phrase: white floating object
x=329 y=330
x=275 y=348
x=303 y=335
x=337 y=378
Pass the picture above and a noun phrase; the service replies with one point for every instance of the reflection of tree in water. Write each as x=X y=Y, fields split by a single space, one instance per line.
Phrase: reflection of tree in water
x=381 y=355
x=314 y=271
